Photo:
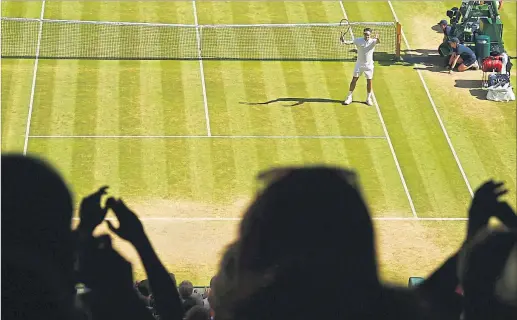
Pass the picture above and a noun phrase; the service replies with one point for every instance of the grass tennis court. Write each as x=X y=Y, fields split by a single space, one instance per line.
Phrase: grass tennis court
x=181 y=142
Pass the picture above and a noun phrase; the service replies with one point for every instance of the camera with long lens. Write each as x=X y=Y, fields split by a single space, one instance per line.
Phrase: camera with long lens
x=454 y=15
x=470 y=30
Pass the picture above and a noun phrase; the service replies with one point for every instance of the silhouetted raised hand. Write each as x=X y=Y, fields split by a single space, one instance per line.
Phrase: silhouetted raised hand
x=165 y=294
x=485 y=204
x=130 y=229
x=110 y=277
x=106 y=268
x=91 y=212
x=507 y=215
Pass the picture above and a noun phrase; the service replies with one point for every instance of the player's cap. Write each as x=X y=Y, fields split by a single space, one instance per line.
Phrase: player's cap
x=443 y=23
x=455 y=40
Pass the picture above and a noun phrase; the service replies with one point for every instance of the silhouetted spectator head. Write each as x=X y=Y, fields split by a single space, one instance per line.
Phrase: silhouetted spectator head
x=37 y=241
x=37 y=211
x=224 y=287
x=306 y=222
x=186 y=288
x=314 y=215
x=197 y=313
x=488 y=271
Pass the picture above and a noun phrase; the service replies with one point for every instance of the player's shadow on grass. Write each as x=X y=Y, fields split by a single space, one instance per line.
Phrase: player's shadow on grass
x=295 y=101
x=474 y=87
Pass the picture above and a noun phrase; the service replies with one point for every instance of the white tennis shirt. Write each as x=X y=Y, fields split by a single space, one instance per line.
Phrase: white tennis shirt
x=365 y=50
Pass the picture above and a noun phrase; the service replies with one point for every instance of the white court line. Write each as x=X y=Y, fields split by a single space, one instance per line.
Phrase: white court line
x=435 y=109
x=201 y=68
x=192 y=219
x=33 y=88
x=208 y=137
x=397 y=164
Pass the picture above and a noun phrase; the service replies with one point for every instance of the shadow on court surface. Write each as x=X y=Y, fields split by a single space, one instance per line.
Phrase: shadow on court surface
x=295 y=101
x=437 y=28
x=299 y=101
x=474 y=87
x=420 y=59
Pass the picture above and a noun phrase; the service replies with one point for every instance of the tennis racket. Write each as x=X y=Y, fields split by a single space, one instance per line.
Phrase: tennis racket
x=345 y=27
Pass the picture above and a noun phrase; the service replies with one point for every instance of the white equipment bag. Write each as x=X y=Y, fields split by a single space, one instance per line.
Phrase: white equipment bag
x=501 y=93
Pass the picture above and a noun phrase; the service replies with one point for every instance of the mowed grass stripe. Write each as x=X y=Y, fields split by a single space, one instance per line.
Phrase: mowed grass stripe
x=16 y=86
x=296 y=86
x=242 y=12
x=300 y=78
x=193 y=100
x=154 y=164
x=497 y=151
x=233 y=82
x=429 y=168
x=436 y=186
x=417 y=19
x=204 y=174
x=8 y=70
x=108 y=116
x=356 y=119
x=87 y=81
x=173 y=90
x=55 y=93
x=226 y=87
x=85 y=114
x=364 y=11
x=42 y=113
x=108 y=121
x=151 y=102
x=480 y=130
x=130 y=113
x=325 y=118
x=128 y=11
x=202 y=166
x=320 y=11
x=220 y=120
x=281 y=120
x=70 y=10
x=72 y=95
x=21 y=9
x=380 y=178
x=383 y=187
x=179 y=181
x=509 y=18
x=255 y=91
x=63 y=92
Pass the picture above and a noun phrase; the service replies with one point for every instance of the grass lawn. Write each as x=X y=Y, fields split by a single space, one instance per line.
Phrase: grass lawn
x=175 y=152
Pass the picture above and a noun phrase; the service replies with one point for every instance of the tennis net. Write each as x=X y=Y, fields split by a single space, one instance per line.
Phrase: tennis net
x=77 y=39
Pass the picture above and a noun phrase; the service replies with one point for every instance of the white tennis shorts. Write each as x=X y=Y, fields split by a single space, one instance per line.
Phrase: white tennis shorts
x=363 y=68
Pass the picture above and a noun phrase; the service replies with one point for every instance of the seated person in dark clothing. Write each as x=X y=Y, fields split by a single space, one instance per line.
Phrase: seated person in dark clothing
x=197 y=313
x=188 y=300
x=446 y=28
x=462 y=56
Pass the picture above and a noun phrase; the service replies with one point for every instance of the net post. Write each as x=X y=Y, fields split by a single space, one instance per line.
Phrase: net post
x=398 y=42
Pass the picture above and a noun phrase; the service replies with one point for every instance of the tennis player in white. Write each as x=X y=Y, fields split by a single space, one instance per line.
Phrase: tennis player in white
x=364 y=64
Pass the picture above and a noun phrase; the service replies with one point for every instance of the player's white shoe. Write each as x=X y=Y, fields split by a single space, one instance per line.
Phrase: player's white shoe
x=348 y=100
x=369 y=101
